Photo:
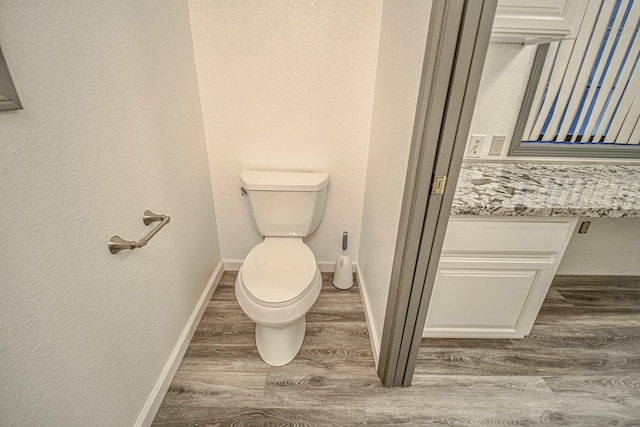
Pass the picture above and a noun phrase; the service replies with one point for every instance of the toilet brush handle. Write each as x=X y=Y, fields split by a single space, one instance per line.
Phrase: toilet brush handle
x=345 y=236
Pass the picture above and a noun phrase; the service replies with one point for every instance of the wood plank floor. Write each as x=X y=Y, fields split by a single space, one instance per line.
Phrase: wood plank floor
x=579 y=366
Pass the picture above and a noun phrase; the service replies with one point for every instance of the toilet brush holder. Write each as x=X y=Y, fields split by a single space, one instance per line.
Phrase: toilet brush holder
x=343 y=272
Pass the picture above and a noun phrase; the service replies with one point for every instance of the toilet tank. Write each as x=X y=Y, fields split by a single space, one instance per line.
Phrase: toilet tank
x=286 y=203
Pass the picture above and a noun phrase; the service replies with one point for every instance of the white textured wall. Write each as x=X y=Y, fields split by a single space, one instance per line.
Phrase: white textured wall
x=111 y=127
x=610 y=247
x=504 y=80
x=402 y=43
x=287 y=86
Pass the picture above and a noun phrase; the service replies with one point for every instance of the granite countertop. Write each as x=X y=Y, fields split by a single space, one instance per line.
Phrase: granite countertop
x=542 y=189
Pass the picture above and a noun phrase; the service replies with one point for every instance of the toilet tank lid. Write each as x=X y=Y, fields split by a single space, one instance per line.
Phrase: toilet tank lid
x=283 y=181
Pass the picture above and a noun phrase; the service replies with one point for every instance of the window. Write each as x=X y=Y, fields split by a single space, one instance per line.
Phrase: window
x=583 y=96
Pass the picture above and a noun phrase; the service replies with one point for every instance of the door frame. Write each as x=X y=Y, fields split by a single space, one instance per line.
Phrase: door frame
x=457 y=43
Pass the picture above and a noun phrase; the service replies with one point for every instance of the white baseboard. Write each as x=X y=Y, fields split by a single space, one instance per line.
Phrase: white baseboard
x=325 y=266
x=162 y=385
x=330 y=266
x=474 y=333
x=232 y=264
x=373 y=335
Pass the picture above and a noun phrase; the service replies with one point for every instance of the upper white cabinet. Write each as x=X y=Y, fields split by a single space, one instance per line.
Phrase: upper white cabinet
x=537 y=21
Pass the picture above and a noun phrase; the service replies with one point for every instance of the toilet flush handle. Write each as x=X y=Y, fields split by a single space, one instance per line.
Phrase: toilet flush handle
x=243 y=191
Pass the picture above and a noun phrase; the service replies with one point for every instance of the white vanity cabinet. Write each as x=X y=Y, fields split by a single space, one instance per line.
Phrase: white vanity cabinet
x=494 y=274
x=537 y=21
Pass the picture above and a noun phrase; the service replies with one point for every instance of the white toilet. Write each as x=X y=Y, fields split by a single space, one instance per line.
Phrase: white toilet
x=279 y=280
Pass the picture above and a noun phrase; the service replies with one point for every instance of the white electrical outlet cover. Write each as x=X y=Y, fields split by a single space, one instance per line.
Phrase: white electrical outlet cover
x=497 y=144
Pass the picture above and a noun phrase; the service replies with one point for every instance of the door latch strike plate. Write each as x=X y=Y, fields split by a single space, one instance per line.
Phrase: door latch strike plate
x=439 y=184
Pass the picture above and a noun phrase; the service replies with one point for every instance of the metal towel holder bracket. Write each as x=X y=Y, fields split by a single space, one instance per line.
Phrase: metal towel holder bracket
x=117 y=243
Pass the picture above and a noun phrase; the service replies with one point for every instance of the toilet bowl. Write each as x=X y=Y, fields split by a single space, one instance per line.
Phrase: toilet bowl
x=276 y=286
x=279 y=280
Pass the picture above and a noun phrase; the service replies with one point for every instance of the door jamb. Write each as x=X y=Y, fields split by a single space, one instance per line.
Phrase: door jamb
x=448 y=89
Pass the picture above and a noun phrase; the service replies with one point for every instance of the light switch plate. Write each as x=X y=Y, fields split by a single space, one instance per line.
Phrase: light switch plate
x=475 y=146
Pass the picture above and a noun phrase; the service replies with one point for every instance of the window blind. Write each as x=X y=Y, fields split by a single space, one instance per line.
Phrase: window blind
x=589 y=89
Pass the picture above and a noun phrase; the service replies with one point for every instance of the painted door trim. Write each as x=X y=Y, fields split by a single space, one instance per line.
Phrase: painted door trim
x=457 y=42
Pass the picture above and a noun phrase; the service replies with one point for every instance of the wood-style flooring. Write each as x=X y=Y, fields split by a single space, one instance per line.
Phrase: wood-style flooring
x=580 y=366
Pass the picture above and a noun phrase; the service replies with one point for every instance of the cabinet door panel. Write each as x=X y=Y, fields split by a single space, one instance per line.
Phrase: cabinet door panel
x=487 y=297
x=494 y=274
x=480 y=299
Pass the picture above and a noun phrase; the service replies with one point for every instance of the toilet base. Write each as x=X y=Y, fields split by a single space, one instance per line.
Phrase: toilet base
x=279 y=346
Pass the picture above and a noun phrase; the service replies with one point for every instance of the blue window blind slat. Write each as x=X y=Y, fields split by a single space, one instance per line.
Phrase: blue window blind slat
x=605 y=96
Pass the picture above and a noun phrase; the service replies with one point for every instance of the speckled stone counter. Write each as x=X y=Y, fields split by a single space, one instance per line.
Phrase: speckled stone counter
x=540 y=189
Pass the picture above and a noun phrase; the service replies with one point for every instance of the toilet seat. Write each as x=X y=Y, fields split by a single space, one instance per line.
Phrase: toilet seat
x=278 y=272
